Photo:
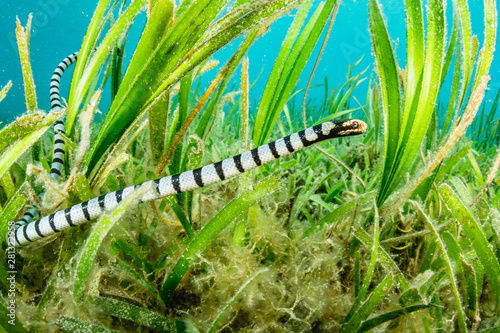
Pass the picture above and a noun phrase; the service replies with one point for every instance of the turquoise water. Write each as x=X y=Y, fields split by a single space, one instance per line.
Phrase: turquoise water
x=60 y=25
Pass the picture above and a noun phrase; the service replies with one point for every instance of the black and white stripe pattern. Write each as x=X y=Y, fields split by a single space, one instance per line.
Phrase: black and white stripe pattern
x=186 y=181
x=27 y=217
x=55 y=102
x=58 y=155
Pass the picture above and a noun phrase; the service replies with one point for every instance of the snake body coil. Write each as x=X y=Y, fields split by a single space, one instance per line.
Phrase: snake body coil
x=58 y=155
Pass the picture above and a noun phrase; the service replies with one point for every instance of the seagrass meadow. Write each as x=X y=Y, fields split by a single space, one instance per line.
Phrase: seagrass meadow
x=395 y=229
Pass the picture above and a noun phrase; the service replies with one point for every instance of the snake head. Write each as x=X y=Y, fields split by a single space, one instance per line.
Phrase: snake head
x=347 y=127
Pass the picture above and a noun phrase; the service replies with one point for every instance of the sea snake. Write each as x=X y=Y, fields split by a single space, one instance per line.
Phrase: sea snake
x=185 y=181
x=58 y=155
x=55 y=103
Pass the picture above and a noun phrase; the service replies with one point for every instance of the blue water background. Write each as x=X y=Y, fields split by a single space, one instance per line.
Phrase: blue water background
x=59 y=27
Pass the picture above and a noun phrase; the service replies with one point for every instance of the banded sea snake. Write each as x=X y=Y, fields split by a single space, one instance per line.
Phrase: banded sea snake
x=170 y=185
x=58 y=155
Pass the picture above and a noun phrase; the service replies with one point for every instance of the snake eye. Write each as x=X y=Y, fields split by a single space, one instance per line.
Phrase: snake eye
x=355 y=124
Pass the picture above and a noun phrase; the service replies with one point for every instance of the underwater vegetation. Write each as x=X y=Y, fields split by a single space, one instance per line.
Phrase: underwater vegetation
x=397 y=229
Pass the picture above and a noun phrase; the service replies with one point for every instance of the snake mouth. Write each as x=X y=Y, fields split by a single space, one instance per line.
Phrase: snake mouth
x=349 y=127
